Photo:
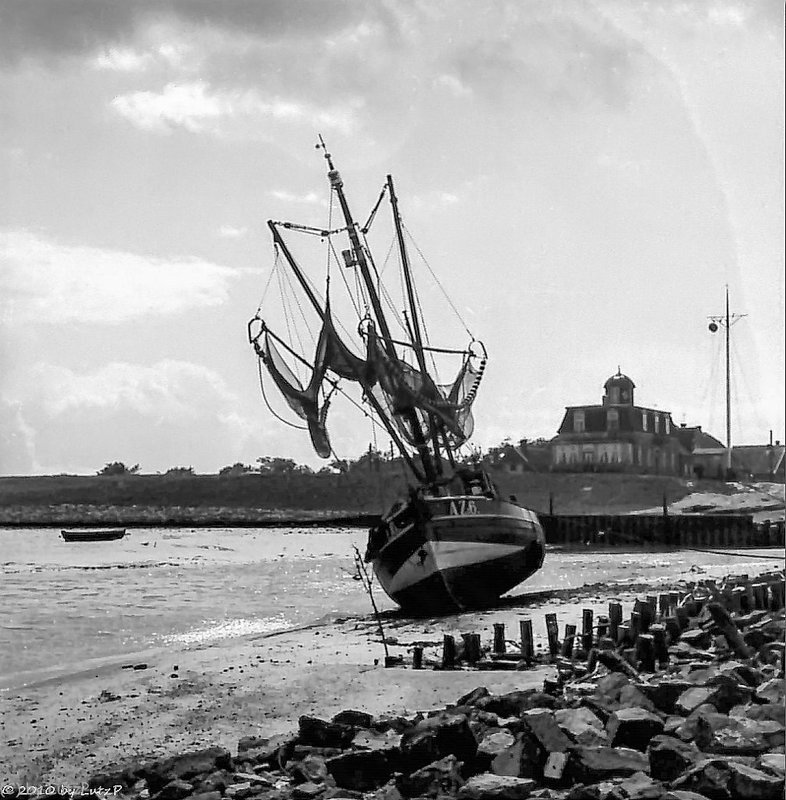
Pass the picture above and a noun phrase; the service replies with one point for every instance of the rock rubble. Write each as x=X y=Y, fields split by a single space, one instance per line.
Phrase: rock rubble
x=706 y=722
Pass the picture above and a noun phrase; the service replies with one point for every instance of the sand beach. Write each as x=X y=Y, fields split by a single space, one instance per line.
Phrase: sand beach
x=67 y=726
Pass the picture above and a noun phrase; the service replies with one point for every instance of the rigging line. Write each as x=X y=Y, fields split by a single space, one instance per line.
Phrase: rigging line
x=437 y=281
x=284 y=301
x=746 y=385
x=709 y=383
x=434 y=349
x=712 y=386
x=269 y=407
x=302 y=314
x=425 y=332
x=330 y=224
x=393 y=310
x=276 y=259
x=341 y=272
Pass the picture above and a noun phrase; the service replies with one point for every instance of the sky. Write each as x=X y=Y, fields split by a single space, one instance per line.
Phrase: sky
x=584 y=177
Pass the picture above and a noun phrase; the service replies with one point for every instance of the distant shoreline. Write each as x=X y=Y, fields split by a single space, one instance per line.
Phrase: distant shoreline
x=348 y=521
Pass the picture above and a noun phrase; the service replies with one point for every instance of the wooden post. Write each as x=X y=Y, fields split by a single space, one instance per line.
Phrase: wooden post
x=658 y=633
x=592 y=659
x=652 y=602
x=663 y=605
x=635 y=626
x=760 y=595
x=673 y=629
x=448 y=652
x=552 y=632
x=471 y=647
x=750 y=598
x=527 y=642
x=623 y=634
x=682 y=617
x=569 y=640
x=417 y=657
x=645 y=652
x=615 y=618
x=646 y=615
x=586 y=629
x=777 y=590
x=732 y=633
x=499 y=637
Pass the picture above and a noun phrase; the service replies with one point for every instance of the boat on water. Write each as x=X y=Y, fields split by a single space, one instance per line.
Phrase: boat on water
x=453 y=542
x=92 y=534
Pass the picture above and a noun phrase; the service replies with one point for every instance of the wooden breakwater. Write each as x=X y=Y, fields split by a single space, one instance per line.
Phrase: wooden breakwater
x=662 y=530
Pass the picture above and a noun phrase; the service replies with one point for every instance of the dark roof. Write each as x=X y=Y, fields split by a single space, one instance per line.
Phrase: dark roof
x=620 y=379
x=630 y=419
x=692 y=438
x=759 y=459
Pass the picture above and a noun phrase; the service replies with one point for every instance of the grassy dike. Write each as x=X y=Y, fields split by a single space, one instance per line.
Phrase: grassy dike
x=254 y=499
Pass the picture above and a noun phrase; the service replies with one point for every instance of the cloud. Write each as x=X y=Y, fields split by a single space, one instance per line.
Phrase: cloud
x=453 y=85
x=231 y=232
x=310 y=198
x=42 y=281
x=122 y=59
x=55 y=29
x=197 y=108
x=173 y=390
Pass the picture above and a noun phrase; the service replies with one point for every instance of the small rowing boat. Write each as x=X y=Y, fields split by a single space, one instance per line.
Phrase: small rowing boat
x=92 y=534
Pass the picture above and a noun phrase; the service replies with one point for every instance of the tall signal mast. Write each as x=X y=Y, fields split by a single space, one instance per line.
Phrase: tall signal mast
x=726 y=321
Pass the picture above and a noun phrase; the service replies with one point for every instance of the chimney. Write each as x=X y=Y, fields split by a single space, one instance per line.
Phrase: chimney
x=770 y=438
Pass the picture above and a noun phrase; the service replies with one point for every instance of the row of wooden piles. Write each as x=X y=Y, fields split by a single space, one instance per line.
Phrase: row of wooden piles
x=642 y=639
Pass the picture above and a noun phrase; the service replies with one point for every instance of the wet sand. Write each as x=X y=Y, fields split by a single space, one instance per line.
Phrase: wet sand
x=68 y=728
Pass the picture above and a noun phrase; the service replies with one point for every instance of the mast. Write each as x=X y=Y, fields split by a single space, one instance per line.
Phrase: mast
x=726 y=321
x=728 y=387
x=417 y=339
x=360 y=258
x=321 y=311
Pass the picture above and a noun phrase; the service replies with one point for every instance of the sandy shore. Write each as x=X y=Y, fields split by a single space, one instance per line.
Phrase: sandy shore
x=69 y=728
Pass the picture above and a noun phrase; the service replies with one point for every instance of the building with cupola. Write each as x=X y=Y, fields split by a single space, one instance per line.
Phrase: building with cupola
x=619 y=436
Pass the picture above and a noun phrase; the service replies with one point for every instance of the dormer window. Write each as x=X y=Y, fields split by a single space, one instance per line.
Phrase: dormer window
x=667 y=422
x=613 y=419
x=644 y=421
x=578 y=421
x=657 y=423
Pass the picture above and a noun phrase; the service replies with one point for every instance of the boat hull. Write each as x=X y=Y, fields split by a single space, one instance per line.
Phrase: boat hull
x=466 y=555
x=92 y=534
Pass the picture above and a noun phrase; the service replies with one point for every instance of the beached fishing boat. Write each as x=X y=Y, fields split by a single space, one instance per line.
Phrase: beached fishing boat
x=453 y=543
x=92 y=534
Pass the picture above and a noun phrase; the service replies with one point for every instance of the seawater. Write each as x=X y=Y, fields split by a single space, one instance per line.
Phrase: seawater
x=65 y=605
x=70 y=606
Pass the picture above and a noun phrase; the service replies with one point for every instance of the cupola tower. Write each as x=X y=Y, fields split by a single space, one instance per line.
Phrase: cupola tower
x=619 y=390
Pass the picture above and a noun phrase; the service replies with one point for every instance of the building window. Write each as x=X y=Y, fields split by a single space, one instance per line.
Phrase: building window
x=613 y=419
x=578 y=421
x=657 y=423
x=644 y=421
x=667 y=422
x=588 y=456
x=615 y=394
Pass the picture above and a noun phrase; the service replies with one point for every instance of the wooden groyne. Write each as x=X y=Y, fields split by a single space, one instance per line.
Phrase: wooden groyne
x=684 y=530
